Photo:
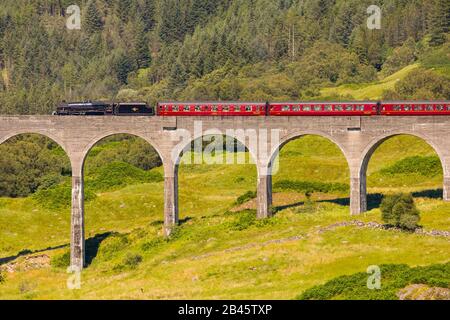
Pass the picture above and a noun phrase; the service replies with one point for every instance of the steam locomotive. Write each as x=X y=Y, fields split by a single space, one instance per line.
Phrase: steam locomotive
x=96 y=108
x=219 y=108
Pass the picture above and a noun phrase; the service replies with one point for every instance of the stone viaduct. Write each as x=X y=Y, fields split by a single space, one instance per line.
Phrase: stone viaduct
x=357 y=137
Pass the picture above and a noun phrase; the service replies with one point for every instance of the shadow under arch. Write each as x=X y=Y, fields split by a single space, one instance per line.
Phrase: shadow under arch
x=98 y=233
x=275 y=152
x=374 y=145
x=238 y=146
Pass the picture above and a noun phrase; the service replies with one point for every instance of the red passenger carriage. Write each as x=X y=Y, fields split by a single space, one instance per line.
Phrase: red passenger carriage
x=212 y=108
x=361 y=108
x=415 y=108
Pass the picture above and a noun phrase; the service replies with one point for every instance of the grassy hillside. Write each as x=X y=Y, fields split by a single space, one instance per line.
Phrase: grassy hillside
x=221 y=250
x=371 y=91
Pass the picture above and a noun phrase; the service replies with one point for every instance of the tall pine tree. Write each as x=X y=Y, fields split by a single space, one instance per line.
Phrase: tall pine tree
x=141 y=50
x=439 y=21
x=93 y=21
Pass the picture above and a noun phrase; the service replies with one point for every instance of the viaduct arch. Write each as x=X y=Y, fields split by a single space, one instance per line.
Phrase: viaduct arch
x=357 y=137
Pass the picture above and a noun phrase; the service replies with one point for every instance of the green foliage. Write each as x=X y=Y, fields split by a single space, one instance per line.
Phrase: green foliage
x=59 y=196
x=246 y=197
x=427 y=166
x=122 y=148
x=120 y=174
x=93 y=22
x=188 y=46
x=400 y=57
x=439 y=21
x=311 y=186
x=132 y=260
x=246 y=219
x=61 y=261
x=400 y=211
x=2 y=278
x=29 y=162
x=421 y=84
x=393 y=278
x=112 y=246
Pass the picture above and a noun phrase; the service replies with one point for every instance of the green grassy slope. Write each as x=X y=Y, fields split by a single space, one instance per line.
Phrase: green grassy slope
x=372 y=91
x=222 y=254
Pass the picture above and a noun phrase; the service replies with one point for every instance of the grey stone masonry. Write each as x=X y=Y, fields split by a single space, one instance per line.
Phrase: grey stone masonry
x=357 y=138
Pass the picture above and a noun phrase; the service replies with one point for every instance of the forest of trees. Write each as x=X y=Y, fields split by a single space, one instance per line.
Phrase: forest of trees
x=183 y=49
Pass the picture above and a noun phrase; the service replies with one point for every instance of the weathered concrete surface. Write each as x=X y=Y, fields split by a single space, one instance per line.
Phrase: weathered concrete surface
x=357 y=137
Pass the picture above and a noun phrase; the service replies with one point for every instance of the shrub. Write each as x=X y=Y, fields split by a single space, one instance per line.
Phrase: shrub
x=311 y=186
x=61 y=260
x=246 y=197
x=400 y=211
x=132 y=260
x=428 y=166
x=112 y=245
x=245 y=220
x=59 y=196
x=120 y=174
x=394 y=278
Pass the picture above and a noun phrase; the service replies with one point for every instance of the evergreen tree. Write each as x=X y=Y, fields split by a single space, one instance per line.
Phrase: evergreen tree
x=148 y=14
x=400 y=211
x=122 y=67
x=93 y=22
x=439 y=21
x=124 y=9
x=141 y=50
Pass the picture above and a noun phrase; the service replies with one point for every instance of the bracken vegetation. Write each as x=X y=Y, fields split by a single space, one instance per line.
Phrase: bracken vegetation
x=393 y=278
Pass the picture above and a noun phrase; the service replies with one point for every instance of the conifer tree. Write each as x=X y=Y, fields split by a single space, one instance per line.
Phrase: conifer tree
x=148 y=14
x=93 y=22
x=141 y=50
x=439 y=21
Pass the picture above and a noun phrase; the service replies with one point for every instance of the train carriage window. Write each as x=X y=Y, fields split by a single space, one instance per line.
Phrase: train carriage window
x=248 y=108
x=397 y=108
x=338 y=108
x=214 y=108
x=286 y=108
x=440 y=108
x=407 y=108
x=198 y=108
x=348 y=108
x=296 y=108
x=418 y=108
x=317 y=108
x=226 y=109
x=306 y=108
x=430 y=108
x=187 y=108
x=328 y=108
x=360 y=108
x=175 y=108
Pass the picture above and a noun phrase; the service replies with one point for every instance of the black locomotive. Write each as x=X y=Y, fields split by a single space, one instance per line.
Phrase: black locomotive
x=96 y=108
